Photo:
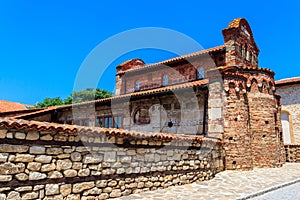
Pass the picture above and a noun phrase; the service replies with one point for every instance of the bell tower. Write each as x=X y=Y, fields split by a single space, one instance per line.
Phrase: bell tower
x=241 y=49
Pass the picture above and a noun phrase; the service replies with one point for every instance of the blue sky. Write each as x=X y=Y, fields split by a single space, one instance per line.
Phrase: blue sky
x=43 y=43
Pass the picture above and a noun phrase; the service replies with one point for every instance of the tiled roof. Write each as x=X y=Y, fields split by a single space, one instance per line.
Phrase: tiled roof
x=235 y=23
x=18 y=112
x=179 y=58
x=246 y=68
x=7 y=106
x=20 y=124
x=287 y=81
x=129 y=95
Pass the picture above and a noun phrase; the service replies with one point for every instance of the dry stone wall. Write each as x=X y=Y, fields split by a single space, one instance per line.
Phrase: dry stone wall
x=59 y=165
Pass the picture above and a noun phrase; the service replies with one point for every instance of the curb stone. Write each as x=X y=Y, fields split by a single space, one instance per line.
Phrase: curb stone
x=256 y=194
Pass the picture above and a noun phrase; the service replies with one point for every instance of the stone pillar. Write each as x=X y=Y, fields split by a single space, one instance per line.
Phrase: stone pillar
x=215 y=105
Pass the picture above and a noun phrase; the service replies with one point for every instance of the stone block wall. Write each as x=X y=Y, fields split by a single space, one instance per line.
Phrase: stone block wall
x=292 y=152
x=59 y=163
x=291 y=104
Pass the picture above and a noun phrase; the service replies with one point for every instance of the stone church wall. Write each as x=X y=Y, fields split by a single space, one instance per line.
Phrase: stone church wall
x=291 y=104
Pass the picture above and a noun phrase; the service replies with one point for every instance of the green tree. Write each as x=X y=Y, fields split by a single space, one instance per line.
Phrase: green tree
x=76 y=97
x=50 y=102
x=87 y=95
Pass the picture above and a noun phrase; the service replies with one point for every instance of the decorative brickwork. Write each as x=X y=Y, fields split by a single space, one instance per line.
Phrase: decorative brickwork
x=292 y=152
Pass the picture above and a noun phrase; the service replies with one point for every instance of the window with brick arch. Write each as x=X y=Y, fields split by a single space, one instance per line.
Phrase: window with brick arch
x=200 y=73
x=137 y=85
x=165 y=80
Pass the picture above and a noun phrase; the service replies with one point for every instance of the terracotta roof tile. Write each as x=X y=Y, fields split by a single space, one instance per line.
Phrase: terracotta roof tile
x=235 y=23
x=20 y=124
x=134 y=94
x=287 y=81
x=179 y=58
x=7 y=106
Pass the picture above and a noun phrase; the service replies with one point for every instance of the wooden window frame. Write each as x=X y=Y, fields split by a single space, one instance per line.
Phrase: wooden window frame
x=112 y=123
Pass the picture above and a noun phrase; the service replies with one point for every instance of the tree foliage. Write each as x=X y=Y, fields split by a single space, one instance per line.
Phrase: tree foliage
x=76 y=97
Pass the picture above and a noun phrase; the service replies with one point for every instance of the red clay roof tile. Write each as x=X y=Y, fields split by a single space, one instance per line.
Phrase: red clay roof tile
x=21 y=124
x=134 y=94
x=287 y=81
x=7 y=106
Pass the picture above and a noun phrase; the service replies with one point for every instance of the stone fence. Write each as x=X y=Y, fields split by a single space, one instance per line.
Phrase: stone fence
x=46 y=161
x=292 y=152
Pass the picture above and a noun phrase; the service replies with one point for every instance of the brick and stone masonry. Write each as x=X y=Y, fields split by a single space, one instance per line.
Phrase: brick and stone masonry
x=46 y=161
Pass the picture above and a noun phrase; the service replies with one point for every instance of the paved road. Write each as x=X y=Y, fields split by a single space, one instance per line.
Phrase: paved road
x=291 y=192
x=229 y=185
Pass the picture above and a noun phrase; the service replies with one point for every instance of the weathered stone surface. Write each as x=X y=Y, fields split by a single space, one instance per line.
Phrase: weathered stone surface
x=73 y=197
x=107 y=189
x=9 y=148
x=24 y=188
x=65 y=190
x=70 y=173
x=2 y=189
x=43 y=159
x=24 y=158
x=63 y=156
x=92 y=191
x=77 y=165
x=54 y=151
x=48 y=167
x=47 y=137
x=76 y=156
x=52 y=189
x=34 y=166
x=19 y=135
x=9 y=135
x=2 y=196
x=11 y=168
x=115 y=193
x=36 y=176
x=22 y=177
x=92 y=159
x=101 y=183
x=55 y=174
x=103 y=196
x=3 y=157
x=32 y=135
x=13 y=196
x=3 y=133
x=5 y=178
x=30 y=195
x=110 y=156
x=63 y=164
x=38 y=187
x=37 y=150
x=84 y=172
x=112 y=183
x=79 y=187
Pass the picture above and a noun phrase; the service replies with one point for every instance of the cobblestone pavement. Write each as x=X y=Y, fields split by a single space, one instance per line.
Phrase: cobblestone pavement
x=291 y=192
x=227 y=185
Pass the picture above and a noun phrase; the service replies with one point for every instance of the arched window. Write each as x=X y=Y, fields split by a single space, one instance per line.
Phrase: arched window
x=141 y=116
x=165 y=80
x=137 y=85
x=200 y=73
x=286 y=127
